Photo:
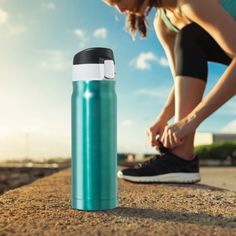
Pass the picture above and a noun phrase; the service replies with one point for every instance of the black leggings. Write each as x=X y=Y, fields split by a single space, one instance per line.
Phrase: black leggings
x=194 y=47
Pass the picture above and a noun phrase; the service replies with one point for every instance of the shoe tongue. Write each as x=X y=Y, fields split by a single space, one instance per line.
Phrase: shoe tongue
x=163 y=149
x=166 y=151
x=180 y=158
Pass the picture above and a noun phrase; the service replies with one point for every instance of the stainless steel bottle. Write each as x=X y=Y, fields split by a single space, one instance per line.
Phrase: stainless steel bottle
x=94 y=131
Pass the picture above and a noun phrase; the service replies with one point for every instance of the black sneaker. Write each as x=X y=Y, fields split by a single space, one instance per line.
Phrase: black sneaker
x=166 y=168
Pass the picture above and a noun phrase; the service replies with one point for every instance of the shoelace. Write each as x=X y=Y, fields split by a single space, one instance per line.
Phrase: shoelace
x=149 y=161
x=162 y=149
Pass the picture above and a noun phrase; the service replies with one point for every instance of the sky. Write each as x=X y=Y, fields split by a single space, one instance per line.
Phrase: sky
x=38 y=42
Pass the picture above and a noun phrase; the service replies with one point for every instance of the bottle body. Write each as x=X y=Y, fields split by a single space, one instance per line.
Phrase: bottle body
x=94 y=145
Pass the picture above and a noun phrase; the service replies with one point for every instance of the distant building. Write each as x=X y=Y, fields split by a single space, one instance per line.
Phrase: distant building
x=204 y=138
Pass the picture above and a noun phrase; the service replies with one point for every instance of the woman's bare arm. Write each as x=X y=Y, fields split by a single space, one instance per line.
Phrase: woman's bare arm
x=167 y=40
x=224 y=89
x=223 y=30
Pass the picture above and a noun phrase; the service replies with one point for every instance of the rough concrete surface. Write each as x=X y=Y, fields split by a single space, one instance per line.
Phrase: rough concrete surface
x=222 y=177
x=43 y=208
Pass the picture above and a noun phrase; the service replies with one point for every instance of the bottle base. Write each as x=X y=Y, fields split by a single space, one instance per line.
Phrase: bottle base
x=94 y=205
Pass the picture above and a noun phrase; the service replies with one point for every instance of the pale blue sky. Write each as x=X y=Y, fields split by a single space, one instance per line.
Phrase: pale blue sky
x=38 y=42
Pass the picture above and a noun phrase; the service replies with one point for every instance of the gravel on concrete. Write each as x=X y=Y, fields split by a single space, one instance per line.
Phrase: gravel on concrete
x=43 y=208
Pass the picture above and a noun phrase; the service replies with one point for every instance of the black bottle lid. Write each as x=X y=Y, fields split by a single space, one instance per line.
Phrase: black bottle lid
x=93 y=56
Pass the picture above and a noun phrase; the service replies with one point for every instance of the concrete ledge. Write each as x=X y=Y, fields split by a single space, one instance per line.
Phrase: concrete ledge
x=43 y=208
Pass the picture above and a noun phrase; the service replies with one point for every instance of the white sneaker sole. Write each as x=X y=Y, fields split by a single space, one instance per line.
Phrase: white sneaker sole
x=165 y=178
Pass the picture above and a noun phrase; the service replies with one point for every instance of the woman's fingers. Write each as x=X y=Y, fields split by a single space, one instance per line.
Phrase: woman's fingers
x=171 y=136
x=151 y=137
x=169 y=140
x=159 y=141
x=174 y=140
x=163 y=137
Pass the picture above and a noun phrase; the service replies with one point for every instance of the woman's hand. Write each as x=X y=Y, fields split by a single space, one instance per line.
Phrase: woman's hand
x=156 y=129
x=174 y=135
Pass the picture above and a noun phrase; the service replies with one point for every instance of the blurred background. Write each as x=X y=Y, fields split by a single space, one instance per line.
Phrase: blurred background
x=38 y=42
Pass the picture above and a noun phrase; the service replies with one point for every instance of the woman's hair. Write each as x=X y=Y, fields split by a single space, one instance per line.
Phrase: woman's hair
x=136 y=23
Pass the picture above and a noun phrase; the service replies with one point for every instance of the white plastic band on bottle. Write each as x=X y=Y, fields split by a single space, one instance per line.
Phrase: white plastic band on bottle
x=104 y=71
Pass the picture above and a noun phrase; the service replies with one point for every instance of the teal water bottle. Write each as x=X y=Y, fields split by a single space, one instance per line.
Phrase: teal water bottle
x=94 y=131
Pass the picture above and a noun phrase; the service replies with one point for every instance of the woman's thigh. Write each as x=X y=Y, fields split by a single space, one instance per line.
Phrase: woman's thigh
x=194 y=47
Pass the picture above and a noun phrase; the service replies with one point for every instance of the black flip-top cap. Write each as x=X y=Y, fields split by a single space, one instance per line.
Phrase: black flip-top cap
x=93 y=56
